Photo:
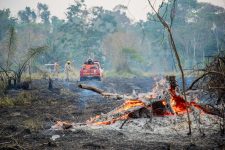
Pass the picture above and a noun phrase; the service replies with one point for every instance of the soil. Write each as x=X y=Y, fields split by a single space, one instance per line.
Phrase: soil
x=27 y=125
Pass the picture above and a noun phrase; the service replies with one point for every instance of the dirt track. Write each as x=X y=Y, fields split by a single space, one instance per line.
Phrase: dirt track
x=27 y=126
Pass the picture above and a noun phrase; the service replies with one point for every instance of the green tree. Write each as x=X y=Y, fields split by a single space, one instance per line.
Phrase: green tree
x=44 y=13
x=27 y=15
x=6 y=22
x=122 y=50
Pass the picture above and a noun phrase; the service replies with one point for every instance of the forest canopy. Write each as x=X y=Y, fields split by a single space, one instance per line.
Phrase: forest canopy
x=198 y=29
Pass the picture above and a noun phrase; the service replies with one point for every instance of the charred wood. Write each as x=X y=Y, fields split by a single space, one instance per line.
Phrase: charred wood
x=100 y=91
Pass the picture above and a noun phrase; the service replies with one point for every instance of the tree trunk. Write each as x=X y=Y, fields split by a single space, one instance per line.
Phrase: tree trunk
x=18 y=78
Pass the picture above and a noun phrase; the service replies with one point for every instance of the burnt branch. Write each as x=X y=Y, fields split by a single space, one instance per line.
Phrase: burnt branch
x=173 y=45
x=100 y=91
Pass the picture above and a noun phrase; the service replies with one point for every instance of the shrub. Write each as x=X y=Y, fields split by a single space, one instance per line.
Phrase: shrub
x=6 y=102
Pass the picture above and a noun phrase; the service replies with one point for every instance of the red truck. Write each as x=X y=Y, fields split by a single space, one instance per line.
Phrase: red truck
x=91 y=70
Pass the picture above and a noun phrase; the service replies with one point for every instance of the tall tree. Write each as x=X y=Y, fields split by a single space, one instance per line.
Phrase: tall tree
x=44 y=13
x=27 y=15
x=6 y=22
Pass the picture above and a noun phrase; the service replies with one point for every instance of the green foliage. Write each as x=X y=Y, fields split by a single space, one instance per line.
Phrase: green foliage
x=113 y=39
x=34 y=52
x=192 y=27
x=133 y=54
x=14 y=64
x=27 y=15
x=23 y=98
x=31 y=54
x=123 y=74
x=44 y=13
x=6 y=22
x=6 y=102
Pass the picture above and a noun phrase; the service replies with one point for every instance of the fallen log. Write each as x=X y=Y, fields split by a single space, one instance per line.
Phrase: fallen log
x=102 y=92
x=91 y=88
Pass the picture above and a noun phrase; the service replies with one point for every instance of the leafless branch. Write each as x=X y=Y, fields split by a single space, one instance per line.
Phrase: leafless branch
x=173 y=45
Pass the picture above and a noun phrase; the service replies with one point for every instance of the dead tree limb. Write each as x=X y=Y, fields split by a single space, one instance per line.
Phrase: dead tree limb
x=195 y=81
x=100 y=91
x=91 y=88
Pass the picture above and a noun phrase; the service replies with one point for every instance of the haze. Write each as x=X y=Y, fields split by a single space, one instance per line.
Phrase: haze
x=136 y=9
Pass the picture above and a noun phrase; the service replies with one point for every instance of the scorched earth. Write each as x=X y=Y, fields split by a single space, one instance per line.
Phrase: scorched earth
x=61 y=119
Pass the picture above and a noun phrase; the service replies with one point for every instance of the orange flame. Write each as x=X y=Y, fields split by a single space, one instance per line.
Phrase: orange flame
x=178 y=104
x=123 y=117
x=129 y=104
x=164 y=102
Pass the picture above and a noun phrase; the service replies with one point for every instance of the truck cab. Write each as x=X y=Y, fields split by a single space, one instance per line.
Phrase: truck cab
x=91 y=70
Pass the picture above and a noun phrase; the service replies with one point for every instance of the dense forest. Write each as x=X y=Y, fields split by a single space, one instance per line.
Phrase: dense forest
x=119 y=43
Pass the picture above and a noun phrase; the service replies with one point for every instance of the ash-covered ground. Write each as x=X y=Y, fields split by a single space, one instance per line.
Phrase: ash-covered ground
x=27 y=125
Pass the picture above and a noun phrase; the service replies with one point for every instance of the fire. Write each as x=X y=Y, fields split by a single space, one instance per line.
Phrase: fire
x=134 y=108
x=130 y=104
x=164 y=102
x=123 y=117
x=126 y=106
x=177 y=105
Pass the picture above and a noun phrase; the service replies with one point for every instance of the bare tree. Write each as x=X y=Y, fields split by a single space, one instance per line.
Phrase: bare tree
x=168 y=27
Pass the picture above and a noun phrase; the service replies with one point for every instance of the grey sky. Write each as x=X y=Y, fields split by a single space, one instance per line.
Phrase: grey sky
x=137 y=8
